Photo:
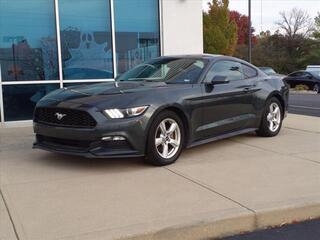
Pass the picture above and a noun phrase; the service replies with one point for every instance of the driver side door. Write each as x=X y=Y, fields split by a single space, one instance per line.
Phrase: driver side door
x=226 y=107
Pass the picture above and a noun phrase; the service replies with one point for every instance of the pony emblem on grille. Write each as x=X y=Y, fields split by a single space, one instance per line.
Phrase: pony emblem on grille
x=59 y=116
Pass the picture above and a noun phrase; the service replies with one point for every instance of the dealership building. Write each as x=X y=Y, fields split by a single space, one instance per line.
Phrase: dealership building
x=50 y=44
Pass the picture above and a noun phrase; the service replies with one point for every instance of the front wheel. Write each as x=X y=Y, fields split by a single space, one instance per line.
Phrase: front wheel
x=316 y=88
x=271 y=121
x=165 y=140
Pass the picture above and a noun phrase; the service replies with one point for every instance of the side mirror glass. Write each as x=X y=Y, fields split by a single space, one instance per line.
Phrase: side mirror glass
x=218 y=79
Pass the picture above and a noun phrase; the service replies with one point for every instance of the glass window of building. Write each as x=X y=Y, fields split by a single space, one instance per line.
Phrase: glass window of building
x=137 y=32
x=86 y=40
x=28 y=47
x=78 y=84
x=19 y=100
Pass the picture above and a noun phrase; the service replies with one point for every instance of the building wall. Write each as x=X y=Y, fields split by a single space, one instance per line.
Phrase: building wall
x=181 y=27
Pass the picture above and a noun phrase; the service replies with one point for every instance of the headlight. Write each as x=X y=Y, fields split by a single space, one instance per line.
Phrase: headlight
x=125 y=113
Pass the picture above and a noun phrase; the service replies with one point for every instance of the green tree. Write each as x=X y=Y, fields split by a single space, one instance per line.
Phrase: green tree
x=219 y=32
x=316 y=33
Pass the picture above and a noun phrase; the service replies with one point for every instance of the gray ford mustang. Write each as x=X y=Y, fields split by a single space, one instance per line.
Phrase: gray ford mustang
x=160 y=107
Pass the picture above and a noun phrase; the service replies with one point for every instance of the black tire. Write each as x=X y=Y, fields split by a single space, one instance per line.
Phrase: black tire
x=264 y=129
x=316 y=88
x=152 y=155
x=292 y=85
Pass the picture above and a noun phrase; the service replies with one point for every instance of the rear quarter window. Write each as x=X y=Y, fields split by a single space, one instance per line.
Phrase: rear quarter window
x=249 y=72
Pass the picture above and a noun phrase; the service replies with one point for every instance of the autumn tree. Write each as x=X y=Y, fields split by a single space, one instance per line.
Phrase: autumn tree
x=242 y=22
x=220 y=33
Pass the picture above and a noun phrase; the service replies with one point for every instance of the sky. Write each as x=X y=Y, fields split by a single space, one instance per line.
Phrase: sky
x=265 y=19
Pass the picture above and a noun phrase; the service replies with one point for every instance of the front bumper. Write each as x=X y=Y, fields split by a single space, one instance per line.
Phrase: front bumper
x=88 y=142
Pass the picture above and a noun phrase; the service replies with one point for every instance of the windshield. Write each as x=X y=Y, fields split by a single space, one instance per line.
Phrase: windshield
x=268 y=71
x=169 y=70
x=315 y=73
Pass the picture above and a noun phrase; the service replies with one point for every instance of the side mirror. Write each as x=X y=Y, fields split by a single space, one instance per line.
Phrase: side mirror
x=219 y=80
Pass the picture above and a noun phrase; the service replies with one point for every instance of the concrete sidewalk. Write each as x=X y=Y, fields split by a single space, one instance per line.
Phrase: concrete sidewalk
x=235 y=185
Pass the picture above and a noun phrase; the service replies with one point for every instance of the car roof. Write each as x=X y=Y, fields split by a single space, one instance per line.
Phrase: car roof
x=305 y=71
x=209 y=57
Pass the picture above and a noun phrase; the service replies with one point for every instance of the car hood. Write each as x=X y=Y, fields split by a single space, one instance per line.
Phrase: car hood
x=94 y=93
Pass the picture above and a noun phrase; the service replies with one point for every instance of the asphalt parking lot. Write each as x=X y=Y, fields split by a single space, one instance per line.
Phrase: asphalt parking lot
x=305 y=104
x=230 y=186
x=309 y=230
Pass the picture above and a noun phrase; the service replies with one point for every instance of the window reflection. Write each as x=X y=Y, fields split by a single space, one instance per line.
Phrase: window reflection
x=137 y=32
x=78 y=84
x=86 y=39
x=28 y=44
x=19 y=100
x=229 y=69
x=28 y=49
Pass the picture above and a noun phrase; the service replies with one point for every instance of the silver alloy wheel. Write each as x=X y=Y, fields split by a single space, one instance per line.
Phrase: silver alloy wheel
x=316 y=88
x=274 y=117
x=168 y=138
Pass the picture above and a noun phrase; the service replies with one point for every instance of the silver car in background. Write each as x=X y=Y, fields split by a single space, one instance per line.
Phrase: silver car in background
x=313 y=68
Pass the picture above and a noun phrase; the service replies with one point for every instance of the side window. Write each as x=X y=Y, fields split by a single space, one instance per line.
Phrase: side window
x=249 y=72
x=229 y=69
x=295 y=74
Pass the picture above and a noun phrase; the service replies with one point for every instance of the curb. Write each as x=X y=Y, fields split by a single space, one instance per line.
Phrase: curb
x=302 y=92
x=238 y=224
x=290 y=214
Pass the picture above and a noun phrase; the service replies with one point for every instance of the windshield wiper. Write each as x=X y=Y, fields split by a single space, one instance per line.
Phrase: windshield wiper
x=139 y=80
x=75 y=91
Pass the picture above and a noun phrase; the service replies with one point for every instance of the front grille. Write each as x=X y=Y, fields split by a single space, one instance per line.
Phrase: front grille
x=70 y=117
x=83 y=145
x=63 y=142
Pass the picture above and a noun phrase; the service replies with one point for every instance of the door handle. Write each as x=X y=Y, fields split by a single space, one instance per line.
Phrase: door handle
x=248 y=88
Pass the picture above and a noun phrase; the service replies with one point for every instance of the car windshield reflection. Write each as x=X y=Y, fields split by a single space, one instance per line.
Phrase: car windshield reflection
x=169 y=70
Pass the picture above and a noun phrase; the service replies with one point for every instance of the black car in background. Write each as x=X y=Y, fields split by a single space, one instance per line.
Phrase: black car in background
x=160 y=107
x=308 y=78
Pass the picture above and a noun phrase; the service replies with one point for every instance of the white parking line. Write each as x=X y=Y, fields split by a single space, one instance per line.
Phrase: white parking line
x=296 y=106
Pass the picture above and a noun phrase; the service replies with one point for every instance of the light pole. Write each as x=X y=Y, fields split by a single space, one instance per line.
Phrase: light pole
x=249 y=32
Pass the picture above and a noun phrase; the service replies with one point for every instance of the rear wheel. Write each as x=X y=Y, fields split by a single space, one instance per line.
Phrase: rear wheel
x=316 y=88
x=292 y=85
x=271 y=121
x=165 y=140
